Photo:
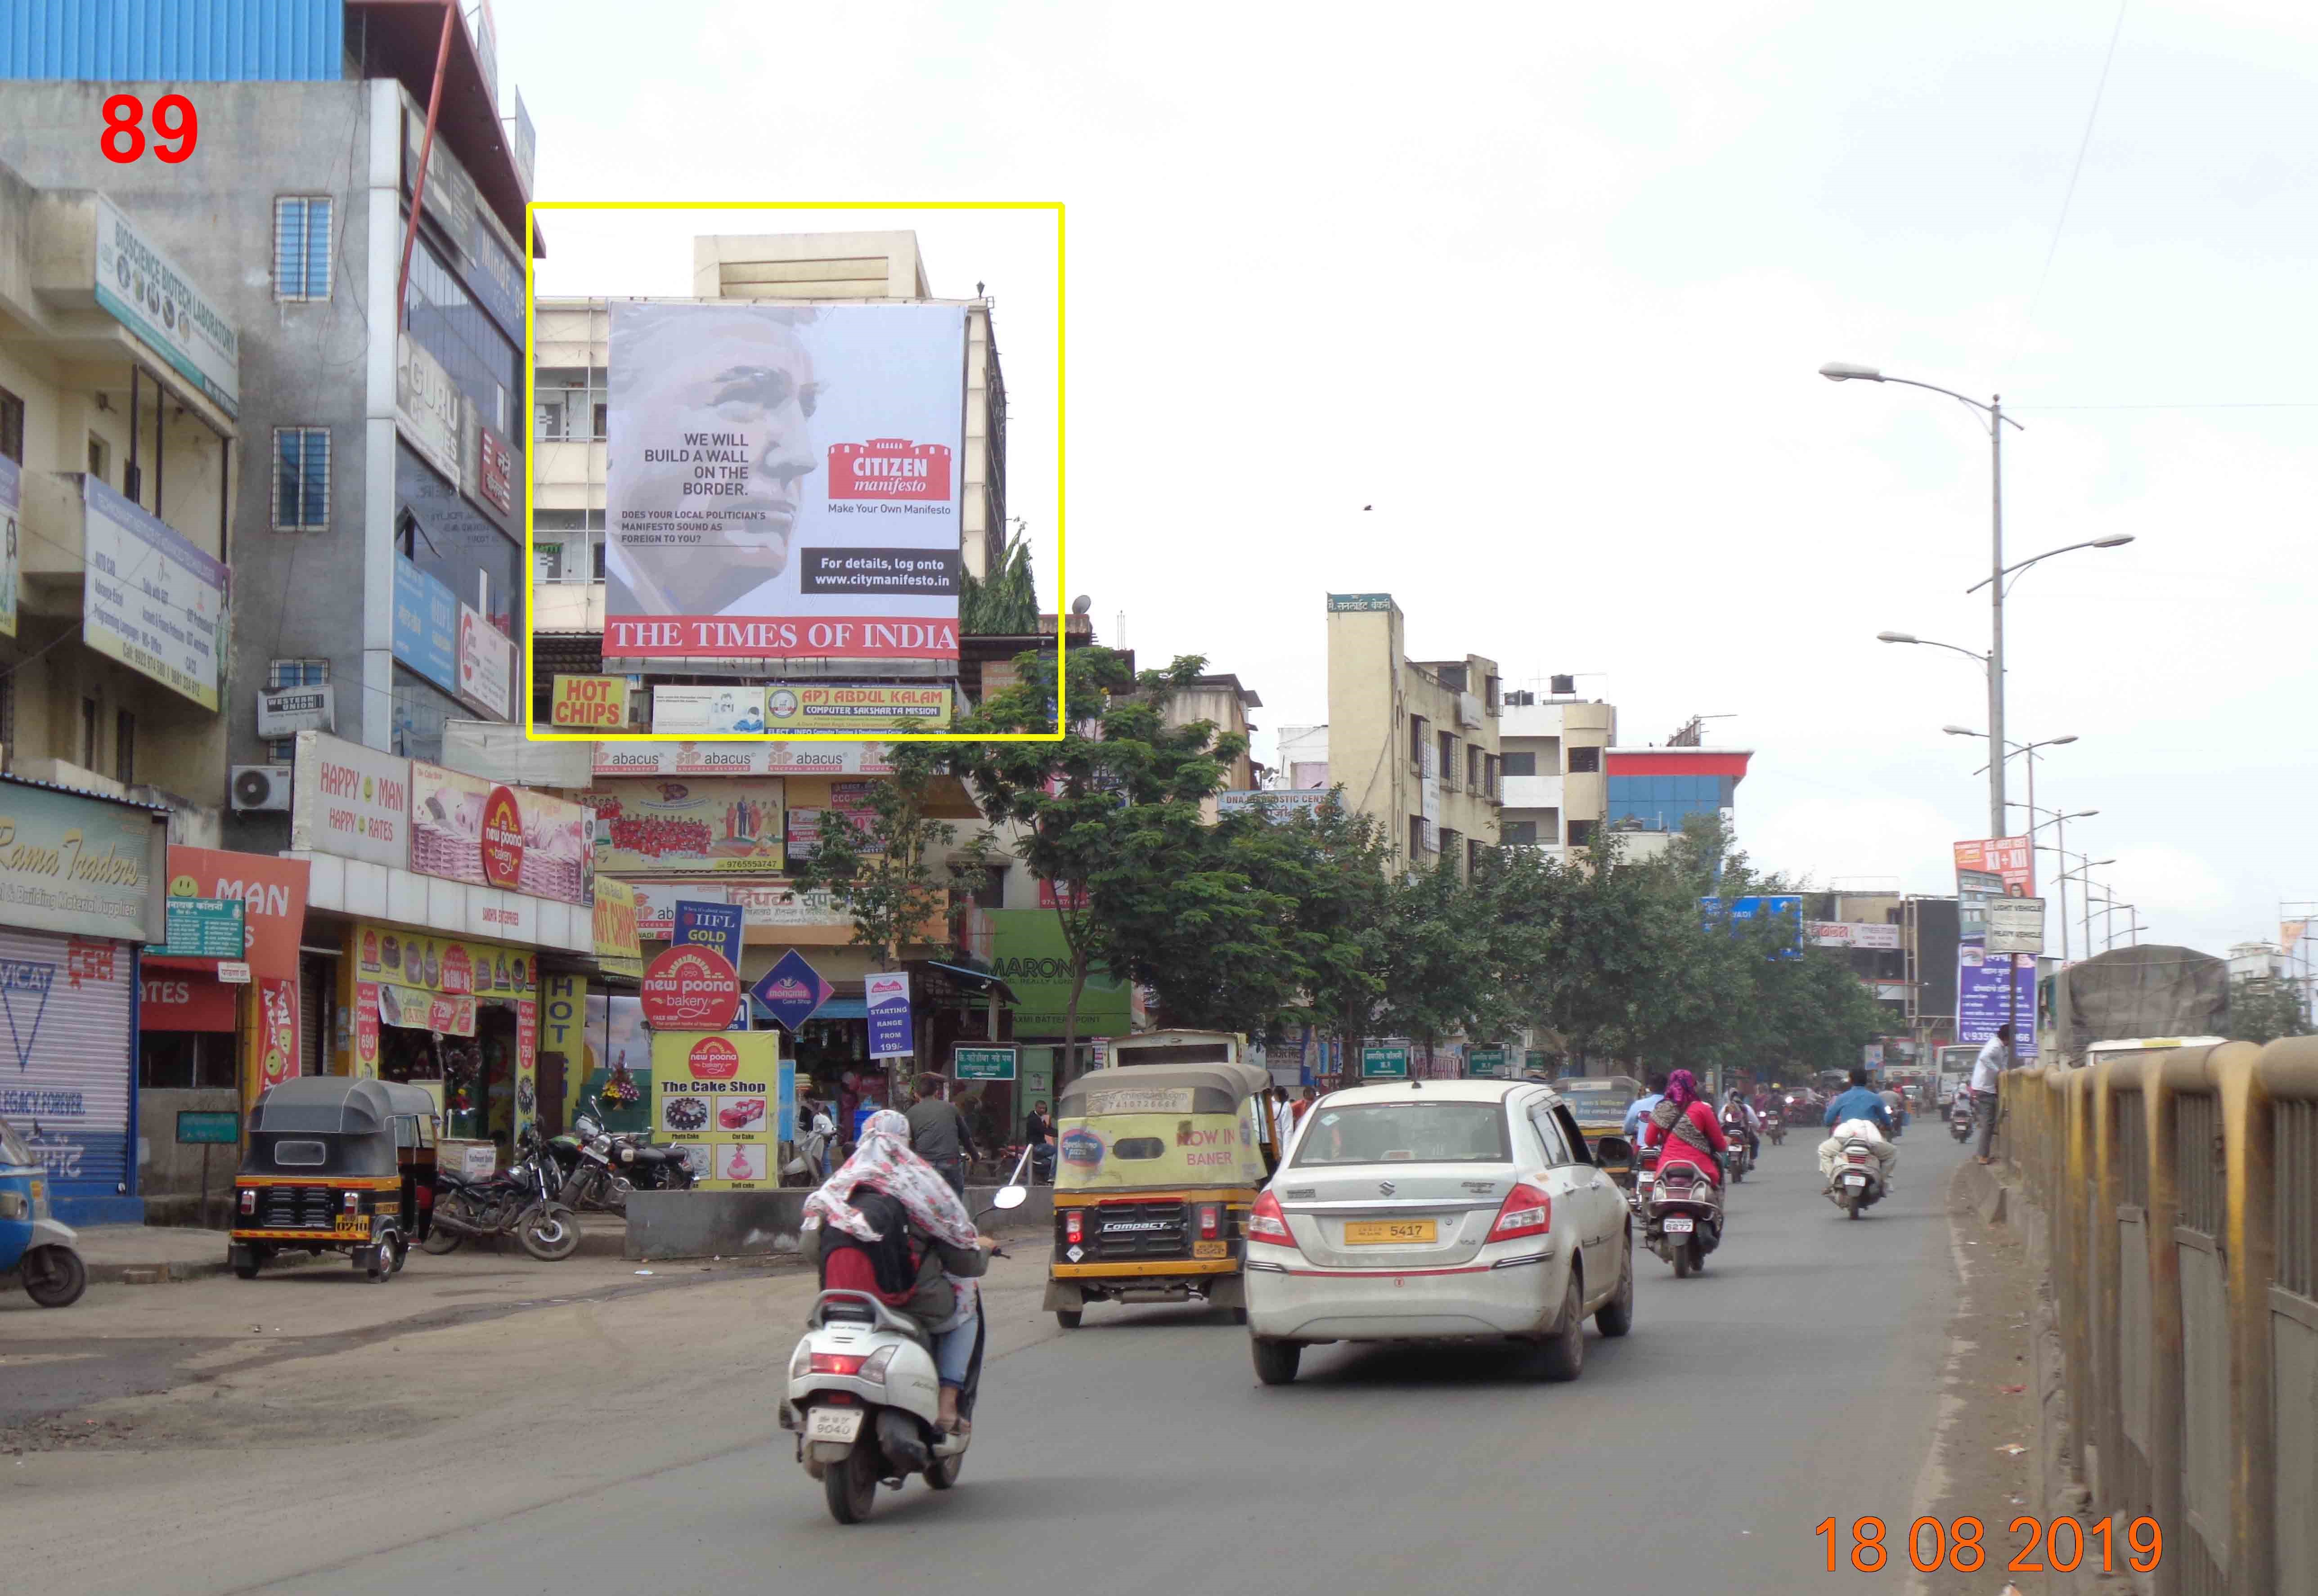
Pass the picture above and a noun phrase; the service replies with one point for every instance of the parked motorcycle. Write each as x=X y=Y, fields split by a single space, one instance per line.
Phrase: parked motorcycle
x=32 y=1242
x=863 y=1398
x=1682 y=1218
x=1858 y=1183
x=597 y=1169
x=518 y=1201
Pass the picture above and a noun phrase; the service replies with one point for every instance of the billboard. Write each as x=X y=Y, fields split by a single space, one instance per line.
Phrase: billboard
x=785 y=480
x=742 y=758
x=707 y=711
x=689 y=828
x=425 y=635
x=2010 y=857
x=1982 y=1003
x=470 y=828
x=152 y=600
x=850 y=707
x=486 y=668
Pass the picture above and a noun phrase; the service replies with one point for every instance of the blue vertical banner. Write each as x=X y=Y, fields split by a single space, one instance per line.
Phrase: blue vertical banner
x=787 y=1123
x=887 y=997
x=716 y=926
x=1981 y=1004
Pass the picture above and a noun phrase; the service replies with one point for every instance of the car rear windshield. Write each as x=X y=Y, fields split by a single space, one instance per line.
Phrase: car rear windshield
x=1439 y=1133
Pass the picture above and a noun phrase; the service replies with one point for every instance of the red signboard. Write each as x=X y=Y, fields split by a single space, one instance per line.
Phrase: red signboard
x=713 y=1058
x=2010 y=857
x=496 y=471
x=182 y=1000
x=690 y=987
x=889 y=467
x=502 y=840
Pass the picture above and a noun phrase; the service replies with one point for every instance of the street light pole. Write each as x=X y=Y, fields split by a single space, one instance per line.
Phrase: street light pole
x=1996 y=625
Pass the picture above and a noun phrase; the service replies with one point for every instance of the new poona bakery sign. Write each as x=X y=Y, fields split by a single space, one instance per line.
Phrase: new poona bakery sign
x=690 y=987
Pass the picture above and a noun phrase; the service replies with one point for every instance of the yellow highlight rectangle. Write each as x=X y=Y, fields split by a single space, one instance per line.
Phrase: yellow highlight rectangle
x=532 y=732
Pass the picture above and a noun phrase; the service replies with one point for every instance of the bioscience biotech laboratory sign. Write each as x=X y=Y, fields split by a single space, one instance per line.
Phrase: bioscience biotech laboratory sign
x=143 y=289
x=784 y=482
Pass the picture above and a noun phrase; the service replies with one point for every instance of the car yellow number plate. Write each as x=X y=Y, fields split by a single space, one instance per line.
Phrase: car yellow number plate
x=1388 y=1233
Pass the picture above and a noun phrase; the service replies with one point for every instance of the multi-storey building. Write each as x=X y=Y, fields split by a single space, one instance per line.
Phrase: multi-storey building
x=1554 y=752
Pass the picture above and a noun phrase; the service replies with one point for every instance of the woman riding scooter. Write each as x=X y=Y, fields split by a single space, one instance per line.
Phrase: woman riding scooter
x=886 y=1222
x=1684 y=1129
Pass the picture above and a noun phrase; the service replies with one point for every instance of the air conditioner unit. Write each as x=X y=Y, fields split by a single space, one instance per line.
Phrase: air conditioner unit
x=261 y=786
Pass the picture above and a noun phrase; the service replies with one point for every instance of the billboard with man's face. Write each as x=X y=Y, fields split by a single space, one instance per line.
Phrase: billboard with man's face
x=784 y=481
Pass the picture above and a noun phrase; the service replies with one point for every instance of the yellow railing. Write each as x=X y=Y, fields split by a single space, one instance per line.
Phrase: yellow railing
x=2179 y=1191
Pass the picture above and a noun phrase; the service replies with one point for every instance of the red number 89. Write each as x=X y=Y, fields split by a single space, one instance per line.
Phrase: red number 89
x=176 y=128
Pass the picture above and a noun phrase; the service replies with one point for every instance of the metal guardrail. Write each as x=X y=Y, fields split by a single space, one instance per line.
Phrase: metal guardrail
x=2180 y=1188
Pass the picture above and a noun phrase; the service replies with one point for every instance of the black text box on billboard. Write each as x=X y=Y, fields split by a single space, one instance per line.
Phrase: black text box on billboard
x=879 y=570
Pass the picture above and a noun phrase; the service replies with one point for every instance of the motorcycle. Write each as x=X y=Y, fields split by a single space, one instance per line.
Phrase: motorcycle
x=596 y=1169
x=1775 y=1125
x=1739 y=1156
x=1682 y=1218
x=1858 y=1183
x=32 y=1242
x=864 y=1399
x=519 y=1201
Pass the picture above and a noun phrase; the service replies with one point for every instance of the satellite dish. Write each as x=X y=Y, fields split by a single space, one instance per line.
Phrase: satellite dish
x=1082 y=604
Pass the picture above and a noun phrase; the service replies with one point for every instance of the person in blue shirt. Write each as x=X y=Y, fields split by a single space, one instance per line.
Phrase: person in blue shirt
x=1860 y=1103
x=1641 y=1108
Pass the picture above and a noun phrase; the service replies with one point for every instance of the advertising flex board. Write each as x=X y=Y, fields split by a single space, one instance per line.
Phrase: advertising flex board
x=689 y=988
x=707 y=711
x=2010 y=857
x=152 y=600
x=1028 y=952
x=715 y=1094
x=1981 y=1004
x=470 y=828
x=743 y=759
x=142 y=289
x=689 y=828
x=618 y=948
x=1851 y=933
x=792 y=990
x=887 y=997
x=591 y=701
x=80 y=866
x=487 y=664
x=700 y=923
x=2015 y=925
x=785 y=480
x=852 y=707
x=426 y=625
x=426 y=407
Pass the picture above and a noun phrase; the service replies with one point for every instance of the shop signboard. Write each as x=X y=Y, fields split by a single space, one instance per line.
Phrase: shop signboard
x=850 y=707
x=203 y=929
x=791 y=990
x=469 y=829
x=983 y=1063
x=689 y=828
x=455 y=966
x=1028 y=952
x=804 y=758
x=592 y=701
x=81 y=865
x=703 y=924
x=732 y=709
x=716 y=545
x=272 y=892
x=144 y=290
x=850 y=799
x=2011 y=858
x=619 y=951
x=488 y=464
x=285 y=711
x=887 y=997
x=175 y=999
x=780 y=904
x=426 y=406
x=1483 y=1063
x=1274 y=805
x=1847 y=934
x=487 y=664
x=152 y=600
x=716 y=1094
x=1357 y=604
x=1982 y=1003
x=688 y=987
x=425 y=635
x=11 y=511
x=1384 y=1064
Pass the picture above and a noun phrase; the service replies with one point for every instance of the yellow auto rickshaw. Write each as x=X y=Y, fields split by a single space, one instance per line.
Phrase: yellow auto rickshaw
x=1156 y=1168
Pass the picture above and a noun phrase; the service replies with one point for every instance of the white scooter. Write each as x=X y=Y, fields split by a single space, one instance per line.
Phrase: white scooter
x=863 y=1398
x=1858 y=1183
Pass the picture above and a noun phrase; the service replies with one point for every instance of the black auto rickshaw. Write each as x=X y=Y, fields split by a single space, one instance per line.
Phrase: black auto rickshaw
x=335 y=1165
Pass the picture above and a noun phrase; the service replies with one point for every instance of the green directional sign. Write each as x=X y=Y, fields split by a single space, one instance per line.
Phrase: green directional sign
x=1483 y=1063
x=1384 y=1064
x=202 y=928
x=195 y=1127
x=983 y=1063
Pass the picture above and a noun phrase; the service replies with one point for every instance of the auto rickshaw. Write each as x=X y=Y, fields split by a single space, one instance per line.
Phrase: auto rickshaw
x=33 y=1243
x=335 y=1165
x=1157 y=1166
x=1599 y=1104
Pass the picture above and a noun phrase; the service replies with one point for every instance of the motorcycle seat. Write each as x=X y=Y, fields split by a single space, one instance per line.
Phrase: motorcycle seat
x=657 y=1155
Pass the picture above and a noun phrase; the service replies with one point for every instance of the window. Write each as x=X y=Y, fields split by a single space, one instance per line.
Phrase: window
x=1431 y=1131
x=990 y=892
x=291 y=673
x=1448 y=760
x=198 y=1060
x=1416 y=743
x=100 y=459
x=1517 y=833
x=1557 y=1149
x=569 y=404
x=1495 y=771
x=301 y=478
x=1521 y=764
x=546 y=561
x=11 y=426
x=1581 y=833
x=301 y=248
x=1493 y=696
x=1415 y=837
x=1472 y=854
x=1448 y=847
x=1572 y=1137
x=1477 y=768
x=124 y=747
x=1586 y=761
x=88 y=734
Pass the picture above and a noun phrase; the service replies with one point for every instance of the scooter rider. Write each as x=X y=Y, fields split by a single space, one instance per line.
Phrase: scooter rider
x=1738 y=1114
x=1858 y=1113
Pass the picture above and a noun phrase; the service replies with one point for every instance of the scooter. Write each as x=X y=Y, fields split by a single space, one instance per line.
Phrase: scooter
x=863 y=1398
x=1858 y=1183
x=1738 y=1157
x=31 y=1242
x=1960 y=1119
x=1775 y=1125
x=1682 y=1218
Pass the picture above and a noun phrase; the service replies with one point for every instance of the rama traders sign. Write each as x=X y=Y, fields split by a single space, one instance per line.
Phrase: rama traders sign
x=715 y=1095
x=152 y=600
x=82 y=867
x=1028 y=952
x=143 y=289
x=784 y=481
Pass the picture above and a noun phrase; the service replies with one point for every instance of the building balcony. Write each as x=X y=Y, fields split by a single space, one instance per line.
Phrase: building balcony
x=1532 y=792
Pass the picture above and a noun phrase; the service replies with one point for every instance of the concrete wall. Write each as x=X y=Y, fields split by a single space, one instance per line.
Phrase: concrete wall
x=753 y=1223
x=170 y=1178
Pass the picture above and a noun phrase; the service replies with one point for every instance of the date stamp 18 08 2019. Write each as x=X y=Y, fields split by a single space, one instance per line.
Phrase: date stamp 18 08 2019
x=2059 y=1547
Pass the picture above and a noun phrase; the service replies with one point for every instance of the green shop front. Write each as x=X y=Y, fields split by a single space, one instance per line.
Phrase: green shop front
x=1028 y=951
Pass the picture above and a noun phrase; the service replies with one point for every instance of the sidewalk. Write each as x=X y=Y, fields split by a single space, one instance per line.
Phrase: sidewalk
x=152 y=1254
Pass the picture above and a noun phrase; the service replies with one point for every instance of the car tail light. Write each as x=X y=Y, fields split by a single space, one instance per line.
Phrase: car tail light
x=1211 y=1221
x=1074 y=1226
x=836 y=1363
x=1266 y=1223
x=1526 y=1212
x=249 y=1200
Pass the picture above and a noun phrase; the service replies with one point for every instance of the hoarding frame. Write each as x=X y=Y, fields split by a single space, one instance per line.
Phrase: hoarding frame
x=532 y=731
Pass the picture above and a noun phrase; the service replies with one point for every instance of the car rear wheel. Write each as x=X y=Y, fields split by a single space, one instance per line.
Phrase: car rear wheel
x=1275 y=1361
x=1616 y=1316
x=1563 y=1358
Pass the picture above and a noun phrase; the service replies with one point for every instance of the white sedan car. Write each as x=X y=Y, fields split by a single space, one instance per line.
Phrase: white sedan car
x=1438 y=1211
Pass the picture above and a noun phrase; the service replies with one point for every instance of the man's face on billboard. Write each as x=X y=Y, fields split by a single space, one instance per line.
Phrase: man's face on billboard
x=760 y=389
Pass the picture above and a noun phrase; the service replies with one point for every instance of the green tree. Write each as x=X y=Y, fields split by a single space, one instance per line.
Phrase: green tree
x=2263 y=1009
x=1005 y=605
x=882 y=873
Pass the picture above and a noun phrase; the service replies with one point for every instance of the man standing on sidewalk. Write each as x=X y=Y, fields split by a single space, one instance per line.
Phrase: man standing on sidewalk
x=1995 y=1058
x=939 y=1134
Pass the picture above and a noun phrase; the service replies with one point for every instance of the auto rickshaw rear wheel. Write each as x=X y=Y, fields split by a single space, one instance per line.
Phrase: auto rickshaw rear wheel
x=249 y=1258
x=54 y=1277
x=1069 y=1318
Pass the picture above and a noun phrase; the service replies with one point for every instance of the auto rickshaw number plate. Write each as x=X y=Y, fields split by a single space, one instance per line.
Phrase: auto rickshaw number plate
x=1210 y=1250
x=832 y=1425
x=1389 y=1232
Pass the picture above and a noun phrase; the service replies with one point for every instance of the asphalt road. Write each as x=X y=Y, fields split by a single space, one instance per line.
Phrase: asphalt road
x=1798 y=1377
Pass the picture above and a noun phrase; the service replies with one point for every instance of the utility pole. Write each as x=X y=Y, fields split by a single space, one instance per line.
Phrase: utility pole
x=1996 y=812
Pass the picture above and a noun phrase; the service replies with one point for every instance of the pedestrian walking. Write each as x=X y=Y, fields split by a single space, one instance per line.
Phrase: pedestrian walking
x=939 y=1134
x=1995 y=1058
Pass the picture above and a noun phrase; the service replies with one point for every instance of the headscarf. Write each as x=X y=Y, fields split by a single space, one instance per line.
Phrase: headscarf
x=883 y=1160
x=1682 y=1089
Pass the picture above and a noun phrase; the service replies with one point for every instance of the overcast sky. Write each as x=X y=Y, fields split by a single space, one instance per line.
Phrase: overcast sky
x=1548 y=287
